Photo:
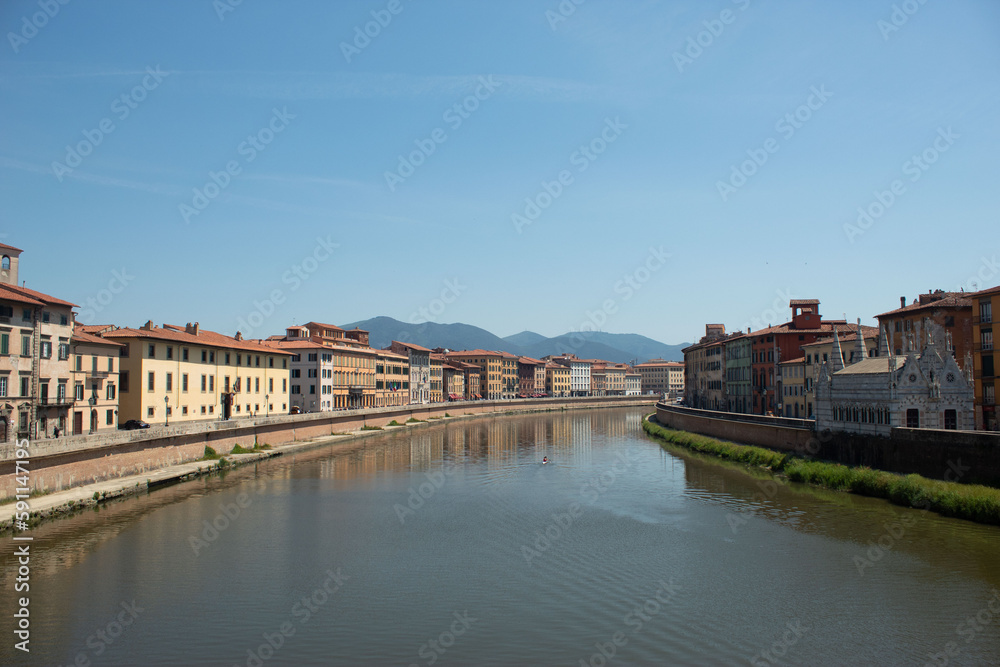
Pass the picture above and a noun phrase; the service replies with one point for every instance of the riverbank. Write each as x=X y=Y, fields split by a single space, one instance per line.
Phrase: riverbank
x=64 y=501
x=964 y=501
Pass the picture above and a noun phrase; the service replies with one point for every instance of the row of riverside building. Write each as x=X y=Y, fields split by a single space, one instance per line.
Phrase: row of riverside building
x=60 y=377
x=928 y=364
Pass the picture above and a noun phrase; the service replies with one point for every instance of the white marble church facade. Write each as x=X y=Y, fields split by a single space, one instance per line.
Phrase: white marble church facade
x=926 y=390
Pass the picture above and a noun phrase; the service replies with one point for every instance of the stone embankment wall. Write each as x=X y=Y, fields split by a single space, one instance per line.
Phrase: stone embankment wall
x=61 y=463
x=957 y=456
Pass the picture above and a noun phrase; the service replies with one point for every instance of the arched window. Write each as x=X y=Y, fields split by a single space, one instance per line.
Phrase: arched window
x=5 y=263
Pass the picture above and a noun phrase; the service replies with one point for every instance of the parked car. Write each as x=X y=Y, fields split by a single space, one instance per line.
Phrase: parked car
x=133 y=424
x=296 y=410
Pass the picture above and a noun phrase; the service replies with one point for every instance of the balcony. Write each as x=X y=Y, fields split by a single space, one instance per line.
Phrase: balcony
x=985 y=319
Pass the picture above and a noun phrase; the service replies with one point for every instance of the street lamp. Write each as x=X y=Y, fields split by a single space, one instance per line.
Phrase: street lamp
x=166 y=410
x=267 y=405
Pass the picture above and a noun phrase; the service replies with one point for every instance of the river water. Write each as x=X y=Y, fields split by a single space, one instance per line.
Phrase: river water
x=452 y=544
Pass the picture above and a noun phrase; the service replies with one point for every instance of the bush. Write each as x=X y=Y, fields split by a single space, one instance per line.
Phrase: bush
x=964 y=501
x=242 y=450
x=394 y=423
x=210 y=454
x=366 y=427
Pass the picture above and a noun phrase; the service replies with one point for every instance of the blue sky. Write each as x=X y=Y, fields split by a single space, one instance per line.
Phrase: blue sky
x=639 y=167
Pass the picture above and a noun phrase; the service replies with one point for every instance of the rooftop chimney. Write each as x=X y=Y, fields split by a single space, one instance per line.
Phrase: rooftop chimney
x=902 y=302
x=239 y=335
x=148 y=326
x=192 y=328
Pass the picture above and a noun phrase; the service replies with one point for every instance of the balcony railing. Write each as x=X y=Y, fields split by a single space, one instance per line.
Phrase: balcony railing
x=983 y=319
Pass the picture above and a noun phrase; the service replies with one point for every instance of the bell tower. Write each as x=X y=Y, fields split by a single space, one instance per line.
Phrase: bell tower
x=9 y=257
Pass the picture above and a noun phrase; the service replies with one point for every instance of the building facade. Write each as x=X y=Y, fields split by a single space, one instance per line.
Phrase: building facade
x=420 y=370
x=94 y=381
x=984 y=304
x=177 y=374
x=35 y=334
x=736 y=353
x=952 y=311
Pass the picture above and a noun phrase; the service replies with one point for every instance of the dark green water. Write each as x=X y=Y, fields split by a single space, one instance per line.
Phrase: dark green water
x=453 y=545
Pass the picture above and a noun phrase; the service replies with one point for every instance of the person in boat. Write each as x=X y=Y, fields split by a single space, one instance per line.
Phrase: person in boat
x=545 y=460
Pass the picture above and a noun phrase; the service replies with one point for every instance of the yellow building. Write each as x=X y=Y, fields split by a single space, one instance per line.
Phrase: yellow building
x=94 y=379
x=791 y=376
x=491 y=370
x=437 y=378
x=179 y=374
x=662 y=377
x=392 y=379
x=556 y=379
x=984 y=357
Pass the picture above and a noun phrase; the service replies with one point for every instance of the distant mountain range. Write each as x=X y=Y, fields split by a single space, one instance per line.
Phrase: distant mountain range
x=621 y=348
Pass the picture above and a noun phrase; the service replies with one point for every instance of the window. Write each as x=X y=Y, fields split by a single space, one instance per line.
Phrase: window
x=63 y=320
x=151 y=352
x=25 y=346
x=204 y=358
x=111 y=392
x=284 y=385
x=110 y=418
x=256 y=385
x=184 y=409
x=211 y=383
x=78 y=391
x=45 y=316
x=270 y=362
x=93 y=364
x=4 y=343
x=227 y=358
x=79 y=363
x=257 y=361
x=296 y=372
x=3 y=385
x=26 y=314
x=63 y=351
x=949 y=320
x=44 y=394
x=950 y=420
x=204 y=383
x=312 y=389
x=170 y=351
x=150 y=411
x=170 y=381
x=270 y=385
x=211 y=357
x=111 y=364
x=46 y=350
x=295 y=389
x=913 y=418
x=184 y=354
x=123 y=380
x=184 y=382
x=61 y=393
x=25 y=386
x=151 y=381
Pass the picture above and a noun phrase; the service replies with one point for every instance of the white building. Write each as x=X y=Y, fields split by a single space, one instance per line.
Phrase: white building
x=420 y=370
x=927 y=390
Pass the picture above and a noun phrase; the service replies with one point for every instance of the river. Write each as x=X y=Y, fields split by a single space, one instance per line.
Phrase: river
x=453 y=544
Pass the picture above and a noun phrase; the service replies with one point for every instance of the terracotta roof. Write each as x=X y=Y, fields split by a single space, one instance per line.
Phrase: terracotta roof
x=826 y=327
x=92 y=328
x=474 y=353
x=322 y=325
x=25 y=295
x=951 y=300
x=11 y=295
x=205 y=337
x=660 y=363
x=90 y=339
x=296 y=345
x=869 y=333
x=390 y=353
x=412 y=346
x=989 y=291
x=529 y=360
x=4 y=246
x=797 y=360
x=803 y=302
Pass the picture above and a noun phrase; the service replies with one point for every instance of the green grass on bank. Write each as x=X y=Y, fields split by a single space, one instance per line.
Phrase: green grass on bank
x=963 y=501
